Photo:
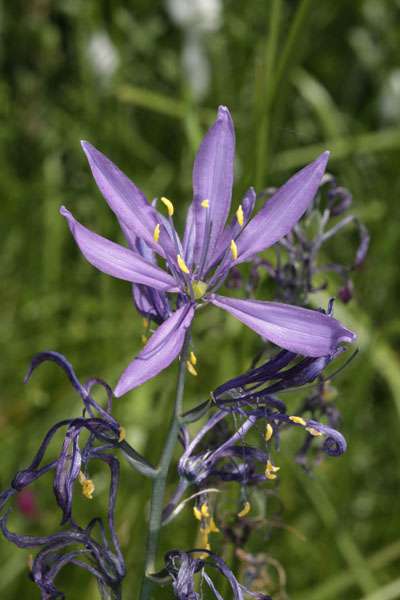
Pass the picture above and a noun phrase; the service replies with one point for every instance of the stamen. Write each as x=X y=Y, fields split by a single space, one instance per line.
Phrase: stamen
x=298 y=420
x=145 y=323
x=197 y=513
x=271 y=467
x=191 y=368
x=268 y=433
x=204 y=510
x=205 y=203
x=193 y=358
x=169 y=205
x=239 y=215
x=30 y=562
x=122 y=434
x=156 y=233
x=181 y=264
x=244 y=510
x=213 y=526
x=204 y=541
x=270 y=470
x=144 y=340
x=234 y=250
x=204 y=555
x=87 y=485
x=313 y=431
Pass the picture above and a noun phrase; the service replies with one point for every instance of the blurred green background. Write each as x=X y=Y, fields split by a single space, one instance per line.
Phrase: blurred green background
x=141 y=80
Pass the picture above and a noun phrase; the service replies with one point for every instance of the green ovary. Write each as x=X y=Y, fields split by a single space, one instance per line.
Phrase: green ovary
x=199 y=289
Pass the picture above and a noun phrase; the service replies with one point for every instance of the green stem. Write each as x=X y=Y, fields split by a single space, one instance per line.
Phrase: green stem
x=157 y=498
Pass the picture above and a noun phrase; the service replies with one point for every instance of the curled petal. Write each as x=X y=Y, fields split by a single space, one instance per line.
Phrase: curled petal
x=299 y=330
x=282 y=211
x=116 y=260
x=159 y=352
x=213 y=179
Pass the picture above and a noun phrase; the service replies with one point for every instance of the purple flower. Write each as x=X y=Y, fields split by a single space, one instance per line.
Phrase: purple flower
x=182 y=567
x=199 y=263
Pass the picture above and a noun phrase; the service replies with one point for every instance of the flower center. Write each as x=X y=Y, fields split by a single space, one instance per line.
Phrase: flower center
x=199 y=289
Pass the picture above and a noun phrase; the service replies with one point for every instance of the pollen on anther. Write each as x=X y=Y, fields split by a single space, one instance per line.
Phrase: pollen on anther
x=204 y=510
x=193 y=358
x=30 y=562
x=298 y=420
x=244 y=510
x=169 y=205
x=144 y=340
x=205 y=203
x=191 y=368
x=234 y=250
x=269 y=432
x=313 y=431
x=145 y=323
x=156 y=233
x=122 y=434
x=87 y=485
x=239 y=215
x=197 y=513
x=182 y=264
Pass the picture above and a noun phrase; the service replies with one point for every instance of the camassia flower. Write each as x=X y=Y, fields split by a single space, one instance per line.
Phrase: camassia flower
x=197 y=265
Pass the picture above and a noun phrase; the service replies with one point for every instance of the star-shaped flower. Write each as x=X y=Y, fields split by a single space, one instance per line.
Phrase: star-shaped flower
x=199 y=263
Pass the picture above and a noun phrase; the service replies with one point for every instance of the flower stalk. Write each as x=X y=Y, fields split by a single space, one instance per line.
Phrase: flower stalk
x=157 y=498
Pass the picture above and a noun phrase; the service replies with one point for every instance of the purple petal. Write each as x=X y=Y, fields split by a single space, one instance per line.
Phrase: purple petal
x=299 y=330
x=159 y=352
x=282 y=211
x=135 y=214
x=213 y=179
x=116 y=260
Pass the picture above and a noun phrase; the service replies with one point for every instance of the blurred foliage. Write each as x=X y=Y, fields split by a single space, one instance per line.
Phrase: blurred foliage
x=299 y=77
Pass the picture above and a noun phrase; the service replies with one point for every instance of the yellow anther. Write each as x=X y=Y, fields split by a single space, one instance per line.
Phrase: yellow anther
x=239 y=215
x=204 y=510
x=298 y=420
x=30 y=562
x=205 y=203
x=156 y=233
x=213 y=526
x=313 y=431
x=191 y=368
x=197 y=513
x=181 y=264
x=270 y=470
x=268 y=433
x=193 y=358
x=206 y=529
x=204 y=541
x=169 y=205
x=205 y=554
x=271 y=467
x=234 y=250
x=87 y=485
x=122 y=434
x=244 y=510
x=145 y=323
x=144 y=340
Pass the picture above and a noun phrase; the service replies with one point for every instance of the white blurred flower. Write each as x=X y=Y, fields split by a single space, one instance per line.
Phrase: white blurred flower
x=201 y=15
x=389 y=98
x=102 y=56
x=196 y=18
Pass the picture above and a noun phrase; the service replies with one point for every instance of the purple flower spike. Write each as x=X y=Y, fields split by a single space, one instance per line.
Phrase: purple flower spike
x=198 y=265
